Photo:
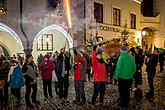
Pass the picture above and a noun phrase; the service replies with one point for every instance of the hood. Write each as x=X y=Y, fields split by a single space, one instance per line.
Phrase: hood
x=46 y=56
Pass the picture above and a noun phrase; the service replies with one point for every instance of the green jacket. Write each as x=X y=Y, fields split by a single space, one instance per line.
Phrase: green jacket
x=126 y=66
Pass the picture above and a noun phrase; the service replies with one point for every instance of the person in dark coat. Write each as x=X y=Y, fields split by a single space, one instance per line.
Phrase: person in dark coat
x=151 y=71
x=113 y=60
x=138 y=73
x=29 y=70
x=4 y=69
x=63 y=61
x=46 y=67
x=88 y=66
x=80 y=77
x=56 y=68
x=138 y=61
x=161 y=62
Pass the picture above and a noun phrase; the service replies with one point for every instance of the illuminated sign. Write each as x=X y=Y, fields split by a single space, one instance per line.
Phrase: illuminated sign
x=108 y=28
x=112 y=29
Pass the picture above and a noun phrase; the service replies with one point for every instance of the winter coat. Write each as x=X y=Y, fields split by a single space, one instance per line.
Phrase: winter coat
x=126 y=66
x=30 y=72
x=138 y=61
x=16 y=78
x=46 y=69
x=100 y=73
x=62 y=57
x=80 y=72
x=4 y=69
x=152 y=64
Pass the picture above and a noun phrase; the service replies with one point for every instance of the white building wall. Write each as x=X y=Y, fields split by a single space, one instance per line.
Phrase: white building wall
x=59 y=41
x=125 y=10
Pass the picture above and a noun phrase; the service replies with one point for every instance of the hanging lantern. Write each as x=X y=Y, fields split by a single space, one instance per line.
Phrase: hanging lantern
x=3 y=6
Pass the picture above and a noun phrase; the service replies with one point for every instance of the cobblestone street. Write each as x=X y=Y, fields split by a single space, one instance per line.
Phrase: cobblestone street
x=110 y=102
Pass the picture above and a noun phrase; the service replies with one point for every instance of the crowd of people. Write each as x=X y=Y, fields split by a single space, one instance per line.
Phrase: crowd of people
x=124 y=69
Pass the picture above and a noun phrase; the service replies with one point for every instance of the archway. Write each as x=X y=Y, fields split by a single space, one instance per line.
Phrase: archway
x=148 y=38
x=10 y=41
x=51 y=39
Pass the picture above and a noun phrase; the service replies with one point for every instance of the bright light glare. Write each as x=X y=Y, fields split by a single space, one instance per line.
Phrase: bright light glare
x=144 y=33
x=137 y=1
x=68 y=13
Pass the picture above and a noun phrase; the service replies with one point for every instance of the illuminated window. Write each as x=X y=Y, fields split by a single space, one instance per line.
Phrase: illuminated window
x=116 y=17
x=98 y=12
x=45 y=42
x=133 y=21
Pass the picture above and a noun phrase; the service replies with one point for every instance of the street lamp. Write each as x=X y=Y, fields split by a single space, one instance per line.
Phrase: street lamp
x=144 y=33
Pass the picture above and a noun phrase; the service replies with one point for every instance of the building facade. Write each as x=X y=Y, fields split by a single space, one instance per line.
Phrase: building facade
x=37 y=26
x=110 y=18
x=41 y=26
x=113 y=17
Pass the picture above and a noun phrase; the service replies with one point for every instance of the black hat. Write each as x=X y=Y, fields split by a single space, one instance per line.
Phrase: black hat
x=28 y=56
x=123 y=49
x=132 y=49
x=99 y=51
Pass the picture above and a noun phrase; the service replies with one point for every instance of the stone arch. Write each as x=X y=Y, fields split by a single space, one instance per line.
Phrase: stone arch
x=5 y=28
x=8 y=50
x=60 y=29
x=12 y=43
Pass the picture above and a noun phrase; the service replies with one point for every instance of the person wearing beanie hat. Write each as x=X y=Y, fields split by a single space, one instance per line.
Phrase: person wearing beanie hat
x=47 y=67
x=124 y=73
x=100 y=76
x=123 y=49
x=80 y=77
x=29 y=70
x=99 y=51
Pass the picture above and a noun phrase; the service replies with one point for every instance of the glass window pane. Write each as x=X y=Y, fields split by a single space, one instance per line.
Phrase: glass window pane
x=45 y=43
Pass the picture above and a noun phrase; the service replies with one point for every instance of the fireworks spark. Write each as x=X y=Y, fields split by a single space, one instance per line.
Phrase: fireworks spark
x=68 y=13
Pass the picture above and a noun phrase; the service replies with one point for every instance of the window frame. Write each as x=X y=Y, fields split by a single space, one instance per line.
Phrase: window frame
x=100 y=14
x=45 y=43
x=132 y=21
x=116 y=16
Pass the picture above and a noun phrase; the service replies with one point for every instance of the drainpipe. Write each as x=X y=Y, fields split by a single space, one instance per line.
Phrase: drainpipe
x=84 y=23
x=27 y=50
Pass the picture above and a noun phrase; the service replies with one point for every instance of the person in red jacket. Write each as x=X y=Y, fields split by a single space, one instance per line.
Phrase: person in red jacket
x=46 y=67
x=100 y=77
x=80 y=77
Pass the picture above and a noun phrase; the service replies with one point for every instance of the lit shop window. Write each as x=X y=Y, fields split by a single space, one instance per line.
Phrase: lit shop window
x=98 y=12
x=133 y=21
x=116 y=17
x=45 y=42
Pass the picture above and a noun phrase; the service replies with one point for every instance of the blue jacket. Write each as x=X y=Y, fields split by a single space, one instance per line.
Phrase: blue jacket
x=16 y=79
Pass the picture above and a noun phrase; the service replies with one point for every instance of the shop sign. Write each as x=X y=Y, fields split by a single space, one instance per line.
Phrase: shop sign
x=112 y=29
x=109 y=28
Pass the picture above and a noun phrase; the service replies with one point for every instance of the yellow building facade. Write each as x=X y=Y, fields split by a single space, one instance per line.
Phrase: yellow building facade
x=120 y=15
x=116 y=16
